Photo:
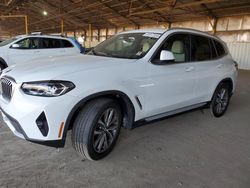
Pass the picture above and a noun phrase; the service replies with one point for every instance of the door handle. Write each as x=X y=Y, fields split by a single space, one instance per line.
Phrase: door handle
x=219 y=66
x=189 y=69
x=36 y=52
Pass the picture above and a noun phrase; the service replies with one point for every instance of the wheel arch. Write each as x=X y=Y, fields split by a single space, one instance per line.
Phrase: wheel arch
x=124 y=101
x=228 y=81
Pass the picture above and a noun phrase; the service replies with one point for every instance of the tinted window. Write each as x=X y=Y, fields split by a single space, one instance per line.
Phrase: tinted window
x=179 y=45
x=219 y=47
x=51 y=43
x=66 y=44
x=29 y=43
x=200 y=48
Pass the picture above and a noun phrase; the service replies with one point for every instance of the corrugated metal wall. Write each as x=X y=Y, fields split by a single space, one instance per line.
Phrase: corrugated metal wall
x=241 y=53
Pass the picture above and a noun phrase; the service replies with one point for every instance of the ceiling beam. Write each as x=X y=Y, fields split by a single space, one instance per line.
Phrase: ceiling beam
x=180 y=5
x=52 y=12
x=6 y=2
x=74 y=18
x=157 y=13
x=213 y=23
x=53 y=7
x=210 y=12
x=119 y=14
x=12 y=7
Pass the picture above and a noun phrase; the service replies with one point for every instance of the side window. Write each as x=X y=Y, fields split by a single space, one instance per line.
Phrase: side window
x=200 y=48
x=179 y=45
x=24 y=44
x=219 y=48
x=51 y=43
x=45 y=42
x=29 y=43
x=67 y=44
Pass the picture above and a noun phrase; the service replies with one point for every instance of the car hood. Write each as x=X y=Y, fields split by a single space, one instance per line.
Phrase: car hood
x=50 y=68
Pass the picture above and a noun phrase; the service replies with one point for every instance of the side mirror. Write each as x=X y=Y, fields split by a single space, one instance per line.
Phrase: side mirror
x=167 y=56
x=15 y=46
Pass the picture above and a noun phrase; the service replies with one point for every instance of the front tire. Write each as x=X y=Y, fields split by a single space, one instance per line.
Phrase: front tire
x=97 y=128
x=220 y=100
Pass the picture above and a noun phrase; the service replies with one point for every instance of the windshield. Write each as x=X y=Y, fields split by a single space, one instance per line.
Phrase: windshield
x=129 y=45
x=8 y=41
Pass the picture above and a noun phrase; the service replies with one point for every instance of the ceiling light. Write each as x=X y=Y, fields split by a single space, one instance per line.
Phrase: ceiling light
x=45 y=13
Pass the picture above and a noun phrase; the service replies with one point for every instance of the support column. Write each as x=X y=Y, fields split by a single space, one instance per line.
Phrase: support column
x=169 y=25
x=62 y=26
x=26 y=24
x=107 y=33
x=98 y=35
x=90 y=35
x=214 y=26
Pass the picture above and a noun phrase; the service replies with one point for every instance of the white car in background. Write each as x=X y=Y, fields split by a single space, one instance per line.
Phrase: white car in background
x=25 y=48
x=133 y=77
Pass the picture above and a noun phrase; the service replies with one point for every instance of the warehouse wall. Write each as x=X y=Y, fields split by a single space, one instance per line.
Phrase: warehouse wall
x=241 y=53
x=235 y=31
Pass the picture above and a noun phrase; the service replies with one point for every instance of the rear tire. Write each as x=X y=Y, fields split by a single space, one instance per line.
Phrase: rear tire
x=220 y=100
x=96 y=128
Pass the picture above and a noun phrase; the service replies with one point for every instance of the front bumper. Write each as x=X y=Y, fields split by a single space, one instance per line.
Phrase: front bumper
x=22 y=112
x=19 y=132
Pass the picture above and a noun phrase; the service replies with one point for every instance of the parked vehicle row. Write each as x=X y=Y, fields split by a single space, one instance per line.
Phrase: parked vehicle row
x=133 y=77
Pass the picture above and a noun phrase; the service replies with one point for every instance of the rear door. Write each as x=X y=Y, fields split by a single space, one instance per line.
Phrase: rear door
x=204 y=54
x=51 y=47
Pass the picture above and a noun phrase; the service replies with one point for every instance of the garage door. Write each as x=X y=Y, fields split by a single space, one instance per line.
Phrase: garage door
x=241 y=53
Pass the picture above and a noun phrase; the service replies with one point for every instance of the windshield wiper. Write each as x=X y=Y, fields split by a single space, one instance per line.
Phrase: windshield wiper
x=100 y=53
x=93 y=52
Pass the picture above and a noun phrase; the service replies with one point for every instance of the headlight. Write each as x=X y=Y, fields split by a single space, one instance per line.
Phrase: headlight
x=47 y=88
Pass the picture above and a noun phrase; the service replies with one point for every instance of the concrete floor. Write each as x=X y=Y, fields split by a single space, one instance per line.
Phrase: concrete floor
x=190 y=150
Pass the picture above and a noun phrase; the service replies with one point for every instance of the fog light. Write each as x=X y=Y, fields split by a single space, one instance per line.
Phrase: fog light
x=42 y=124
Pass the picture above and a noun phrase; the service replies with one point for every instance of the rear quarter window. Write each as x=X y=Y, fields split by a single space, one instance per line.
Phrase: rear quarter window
x=219 y=48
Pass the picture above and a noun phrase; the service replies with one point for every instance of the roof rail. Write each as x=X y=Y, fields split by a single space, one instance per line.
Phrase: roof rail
x=58 y=35
x=196 y=30
x=36 y=33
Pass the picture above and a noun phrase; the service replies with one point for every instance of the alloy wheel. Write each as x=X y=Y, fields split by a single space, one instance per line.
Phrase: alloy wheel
x=221 y=101
x=106 y=130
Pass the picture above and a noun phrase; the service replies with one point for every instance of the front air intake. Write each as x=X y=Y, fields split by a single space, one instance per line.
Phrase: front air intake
x=42 y=124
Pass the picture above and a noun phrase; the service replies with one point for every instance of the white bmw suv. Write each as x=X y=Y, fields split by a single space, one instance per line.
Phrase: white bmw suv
x=131 y=78
x=25 y=48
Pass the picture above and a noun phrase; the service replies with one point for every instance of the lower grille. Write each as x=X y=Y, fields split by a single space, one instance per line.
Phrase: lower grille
x=6 y=88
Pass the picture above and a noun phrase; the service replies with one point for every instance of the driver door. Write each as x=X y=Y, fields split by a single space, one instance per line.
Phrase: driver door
x=27 y=49
x=172 y=83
